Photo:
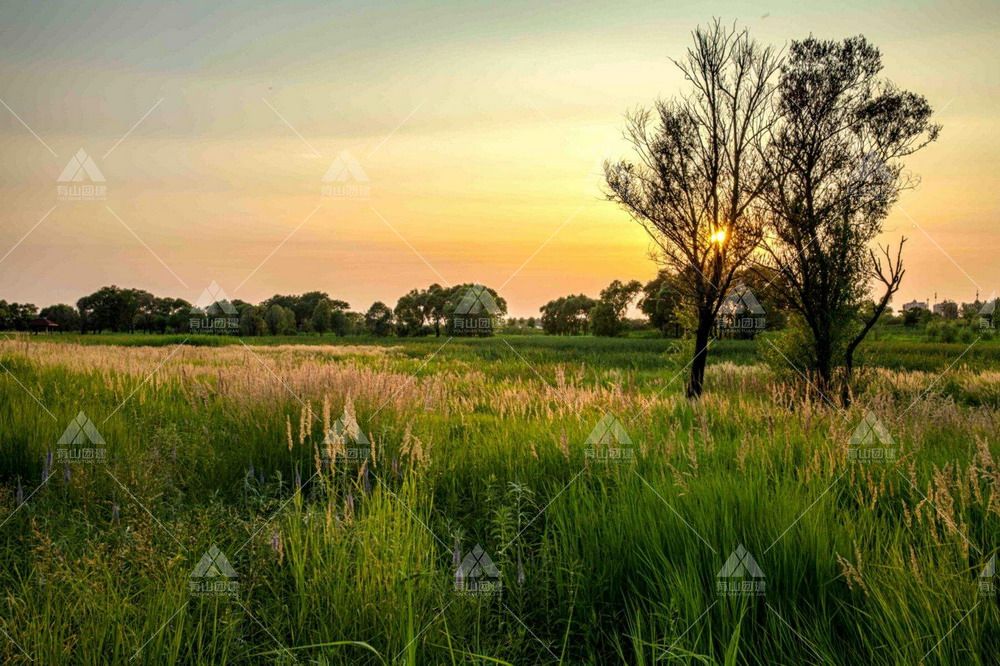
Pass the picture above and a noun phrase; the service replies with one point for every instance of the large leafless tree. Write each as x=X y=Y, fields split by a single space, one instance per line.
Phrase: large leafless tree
x=698 y=172
x=835 y=170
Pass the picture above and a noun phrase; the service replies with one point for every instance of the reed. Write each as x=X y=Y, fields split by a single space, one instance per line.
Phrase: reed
x=344 y=548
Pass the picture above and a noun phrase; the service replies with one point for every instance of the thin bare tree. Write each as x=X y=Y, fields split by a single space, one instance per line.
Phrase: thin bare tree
x=698 y=174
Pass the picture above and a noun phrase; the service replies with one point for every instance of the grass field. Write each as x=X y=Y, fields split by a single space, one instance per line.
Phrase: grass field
x=227 y=515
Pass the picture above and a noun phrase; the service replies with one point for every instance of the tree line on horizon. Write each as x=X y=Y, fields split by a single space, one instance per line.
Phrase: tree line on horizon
x=419 y=312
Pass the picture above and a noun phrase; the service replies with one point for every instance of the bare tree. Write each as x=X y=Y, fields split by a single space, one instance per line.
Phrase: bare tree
x=835 y=161
x=699 y=174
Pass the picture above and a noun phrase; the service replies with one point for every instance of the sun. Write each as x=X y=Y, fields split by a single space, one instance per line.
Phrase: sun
x=718 y=236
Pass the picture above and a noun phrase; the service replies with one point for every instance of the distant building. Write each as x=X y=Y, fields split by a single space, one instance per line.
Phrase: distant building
x=915 y=305
x=42 y=325
x=946 y=309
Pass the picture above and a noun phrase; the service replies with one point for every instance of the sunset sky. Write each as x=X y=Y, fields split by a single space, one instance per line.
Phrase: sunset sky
x=480 y=129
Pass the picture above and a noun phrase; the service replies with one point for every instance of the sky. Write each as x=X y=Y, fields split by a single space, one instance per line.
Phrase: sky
x=461 y=142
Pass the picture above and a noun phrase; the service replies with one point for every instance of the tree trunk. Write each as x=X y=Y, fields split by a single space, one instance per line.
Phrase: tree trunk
x=696 y=383
x=845 y=388
x=824 y=366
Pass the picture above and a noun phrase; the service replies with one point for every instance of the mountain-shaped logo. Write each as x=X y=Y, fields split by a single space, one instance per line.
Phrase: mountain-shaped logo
x=990 y=570
x=477 y=299
x=476 y=572
x=740 y=564
x=609 y=432
x=213 y=301
x=80 y=431
x=347 y=430
x=79 y=168
x=742 y=301
x=871 y=432
x=345 y=168
x=213 y=564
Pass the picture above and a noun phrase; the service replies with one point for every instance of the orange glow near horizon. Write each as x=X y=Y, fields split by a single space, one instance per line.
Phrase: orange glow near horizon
x=476 y=152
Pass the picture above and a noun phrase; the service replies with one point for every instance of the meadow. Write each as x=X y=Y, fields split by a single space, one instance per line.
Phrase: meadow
x=226 y=513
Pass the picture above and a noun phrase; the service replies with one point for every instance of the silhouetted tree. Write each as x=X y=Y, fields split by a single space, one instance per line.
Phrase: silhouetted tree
x=322 y=316
x=699 y=172
x=378 y=319
x=607 y=316
x=835 y=172
x=567 y=315
x=661 y=300
x=64 y=315
x=280 y=320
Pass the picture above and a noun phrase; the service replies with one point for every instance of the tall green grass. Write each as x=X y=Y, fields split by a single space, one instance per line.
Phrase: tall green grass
x=601 y=561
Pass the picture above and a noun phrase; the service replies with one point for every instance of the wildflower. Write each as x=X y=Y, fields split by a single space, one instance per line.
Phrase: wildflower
x=366 y=475
x=278 y=546
x=349 y=506
x=47 y=467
